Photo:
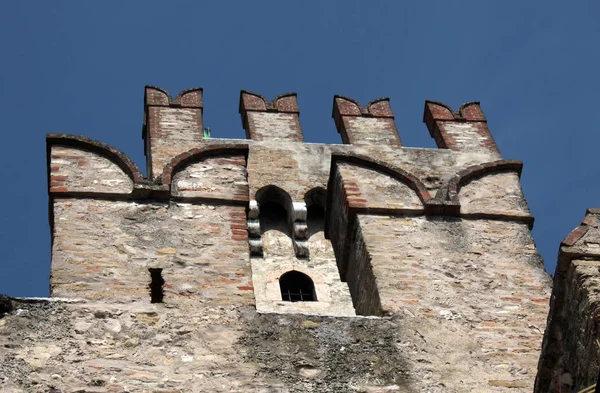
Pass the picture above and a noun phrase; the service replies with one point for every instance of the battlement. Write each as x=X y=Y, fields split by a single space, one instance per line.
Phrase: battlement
x=463 y=130
x=239 y=251
x=171 y=127
x=275 y=120
x=174 y=126
x=373 y=124
x=370 y=174
x=189 y=98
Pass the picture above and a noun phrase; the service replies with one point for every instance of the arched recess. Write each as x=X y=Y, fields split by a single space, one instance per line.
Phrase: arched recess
x=296 y=286
x=399 y=174
x=217 y=171
x=73 y=163
x=491 y=188
x=315 y=201
x=275 y=210
x=377 y=187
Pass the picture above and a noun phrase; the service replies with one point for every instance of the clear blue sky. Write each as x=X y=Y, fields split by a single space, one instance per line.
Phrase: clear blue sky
x=79 y=67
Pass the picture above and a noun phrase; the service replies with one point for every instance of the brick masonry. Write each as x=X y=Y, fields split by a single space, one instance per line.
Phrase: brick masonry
x=371 y=125
x=222 y=177
x=171 y=127
x=75 y=170
x=426 y=274
x=463 y=130
x=102 y=251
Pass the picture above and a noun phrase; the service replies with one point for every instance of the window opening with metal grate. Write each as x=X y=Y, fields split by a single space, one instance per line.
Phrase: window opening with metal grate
x=297 y=287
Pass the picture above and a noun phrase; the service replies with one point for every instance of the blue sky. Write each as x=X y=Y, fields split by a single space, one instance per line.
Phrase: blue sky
x=79 y=67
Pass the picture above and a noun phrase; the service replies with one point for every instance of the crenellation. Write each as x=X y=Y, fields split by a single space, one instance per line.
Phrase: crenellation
x=466 y=130
x=170 y=126
x=275 y=120
x=372 y=125
x=270 y=264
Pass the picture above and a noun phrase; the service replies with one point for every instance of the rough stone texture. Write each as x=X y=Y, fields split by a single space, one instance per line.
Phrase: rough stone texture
x=466 y=136
x=279 y=258
x=377 y=190
x=371 y=125
x=296 y=168
x=75 y=170
x=570 y=359
x=215 y=177
x=274 y=126
x=498 y=193
x=374 y=131
x=414 y=294
x=102 y=250
x=276 y=120
x=167 y=348
x=433 y=280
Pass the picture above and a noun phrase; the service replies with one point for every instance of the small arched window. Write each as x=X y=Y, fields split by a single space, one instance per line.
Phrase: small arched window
x=297 y=287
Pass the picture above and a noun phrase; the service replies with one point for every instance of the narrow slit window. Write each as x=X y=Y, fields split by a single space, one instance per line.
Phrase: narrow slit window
x=156 y=285
x=297 y=287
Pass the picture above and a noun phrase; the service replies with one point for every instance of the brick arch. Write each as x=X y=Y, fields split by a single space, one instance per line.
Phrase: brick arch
x=320 y=281
x=197 y=154
x=393 y=171
x=451 y=190
x=102 y=149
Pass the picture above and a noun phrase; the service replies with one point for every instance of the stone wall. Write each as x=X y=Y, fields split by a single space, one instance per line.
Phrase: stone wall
x=570 y=359
x=279 y=258
x=372 y=125
x=433 y=281
x=425 y=273
x=101 y=347
x=219 y=177
x=103 y=250
x=85 y=171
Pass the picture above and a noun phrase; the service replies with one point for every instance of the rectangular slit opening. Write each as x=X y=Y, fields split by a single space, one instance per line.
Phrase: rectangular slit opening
x=156 y=285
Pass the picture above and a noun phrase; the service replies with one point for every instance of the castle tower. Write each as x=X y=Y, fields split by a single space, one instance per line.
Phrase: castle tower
x=269 y=264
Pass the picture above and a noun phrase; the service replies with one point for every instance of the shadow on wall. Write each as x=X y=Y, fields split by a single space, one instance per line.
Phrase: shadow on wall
x=275 y=210
x=315 y=200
